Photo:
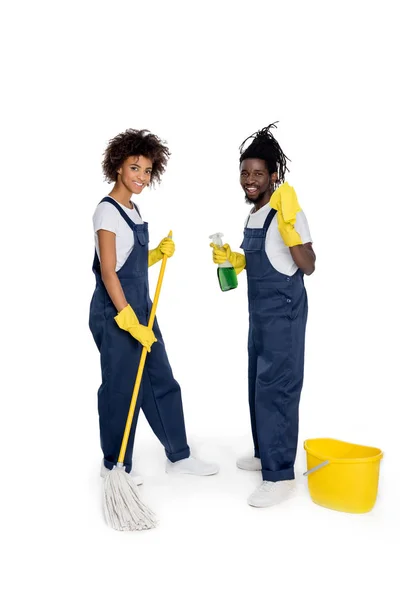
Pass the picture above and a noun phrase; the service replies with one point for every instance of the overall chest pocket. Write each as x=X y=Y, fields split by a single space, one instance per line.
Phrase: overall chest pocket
x=142 y=236
x=254 y=249
x=254 y=243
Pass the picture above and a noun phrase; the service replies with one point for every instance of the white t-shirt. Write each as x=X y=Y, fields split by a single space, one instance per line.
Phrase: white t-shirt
x=107 y=217
x=278 y=253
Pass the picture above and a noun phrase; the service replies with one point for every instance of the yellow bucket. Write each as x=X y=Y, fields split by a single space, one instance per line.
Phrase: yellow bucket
x=342 y=476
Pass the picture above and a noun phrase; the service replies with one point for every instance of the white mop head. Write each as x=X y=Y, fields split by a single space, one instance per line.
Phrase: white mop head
x=123 y=507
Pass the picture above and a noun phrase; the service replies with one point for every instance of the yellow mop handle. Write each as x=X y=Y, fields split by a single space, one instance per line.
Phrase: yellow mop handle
x=138 y=381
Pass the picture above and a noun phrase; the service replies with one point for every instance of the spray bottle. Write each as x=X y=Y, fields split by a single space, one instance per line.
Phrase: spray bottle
x=226 y=273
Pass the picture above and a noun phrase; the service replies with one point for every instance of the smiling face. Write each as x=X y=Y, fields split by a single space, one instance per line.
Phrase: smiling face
x=135 y=173
x=256 y=180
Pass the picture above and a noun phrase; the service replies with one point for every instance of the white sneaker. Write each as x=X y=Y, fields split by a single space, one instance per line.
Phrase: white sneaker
x=270 y=493
x=138 y=479
x=191 y=466
x=249 y=463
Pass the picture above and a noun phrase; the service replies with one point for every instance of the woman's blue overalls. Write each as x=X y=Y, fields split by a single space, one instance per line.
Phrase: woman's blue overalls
x=278 y=315
x=160 y=395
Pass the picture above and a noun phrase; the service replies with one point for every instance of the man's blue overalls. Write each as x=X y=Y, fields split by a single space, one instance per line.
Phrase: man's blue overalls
x=278 y=315
x=160 y=395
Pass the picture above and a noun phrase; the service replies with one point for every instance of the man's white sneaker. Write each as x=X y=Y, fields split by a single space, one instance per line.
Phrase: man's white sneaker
x=138 y=479
x=191 y=466
x=249 y=463
x=270 y=493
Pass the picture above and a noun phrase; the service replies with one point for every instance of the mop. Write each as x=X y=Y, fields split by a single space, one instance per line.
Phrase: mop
x=123 y=508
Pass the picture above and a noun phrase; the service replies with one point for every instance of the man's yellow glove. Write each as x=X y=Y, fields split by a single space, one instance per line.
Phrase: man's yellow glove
x=127 y=320
x=166 y=246
x=223 y=253
x=285 y=202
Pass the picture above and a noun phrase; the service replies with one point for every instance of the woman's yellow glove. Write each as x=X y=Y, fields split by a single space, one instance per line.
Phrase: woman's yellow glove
x=127 y=320
x=166 y=246
x=223 y=253
x=285 y=202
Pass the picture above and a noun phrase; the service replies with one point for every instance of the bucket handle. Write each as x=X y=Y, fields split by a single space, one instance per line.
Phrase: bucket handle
x=323 y=464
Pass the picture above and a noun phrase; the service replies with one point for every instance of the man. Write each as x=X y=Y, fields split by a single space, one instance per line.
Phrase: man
x=277 y=253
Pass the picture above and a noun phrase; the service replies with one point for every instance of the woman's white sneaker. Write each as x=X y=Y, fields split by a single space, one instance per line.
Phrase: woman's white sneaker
x=271 y=492
x=191 y=466
x=249 y=463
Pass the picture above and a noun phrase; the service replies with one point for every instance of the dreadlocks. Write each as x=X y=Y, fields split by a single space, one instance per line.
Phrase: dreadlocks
x=265 y=147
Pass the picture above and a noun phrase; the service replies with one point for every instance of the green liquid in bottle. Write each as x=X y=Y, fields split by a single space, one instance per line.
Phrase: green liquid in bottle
x=227 y=278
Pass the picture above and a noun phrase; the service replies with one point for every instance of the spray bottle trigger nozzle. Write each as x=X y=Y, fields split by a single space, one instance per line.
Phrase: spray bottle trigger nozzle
x=217 y=239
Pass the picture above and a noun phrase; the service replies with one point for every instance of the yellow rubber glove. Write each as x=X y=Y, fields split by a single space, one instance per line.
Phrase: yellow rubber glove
x=127 y=320
x=223 y=253
x=284 y=200
x=166 y=246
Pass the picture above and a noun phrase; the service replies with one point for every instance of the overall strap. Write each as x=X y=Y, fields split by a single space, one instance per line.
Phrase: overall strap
x=269 y=218
x=135 y=206
x=121 y=211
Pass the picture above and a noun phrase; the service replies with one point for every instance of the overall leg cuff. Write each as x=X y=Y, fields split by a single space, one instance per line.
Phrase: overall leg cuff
x=274 y=476
x=110 y=465
x=175 y=456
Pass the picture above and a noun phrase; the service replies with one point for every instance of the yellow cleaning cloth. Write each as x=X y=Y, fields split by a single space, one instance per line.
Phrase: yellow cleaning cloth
x=284 y=201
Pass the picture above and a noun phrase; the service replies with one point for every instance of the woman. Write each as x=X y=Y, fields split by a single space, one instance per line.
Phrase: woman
x=120 y=310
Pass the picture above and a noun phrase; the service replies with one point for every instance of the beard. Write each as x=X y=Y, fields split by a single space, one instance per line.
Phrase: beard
x=253 y=201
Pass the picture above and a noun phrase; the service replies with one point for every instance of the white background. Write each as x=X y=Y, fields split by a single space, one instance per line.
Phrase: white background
x=202 y=76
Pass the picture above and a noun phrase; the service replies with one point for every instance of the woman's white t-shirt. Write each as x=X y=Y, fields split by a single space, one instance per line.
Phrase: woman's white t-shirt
x=278 y=253
x=107 y=217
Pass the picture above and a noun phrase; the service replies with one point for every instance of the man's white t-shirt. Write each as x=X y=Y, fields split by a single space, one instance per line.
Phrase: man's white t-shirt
x=278 y=253
x=107 y=217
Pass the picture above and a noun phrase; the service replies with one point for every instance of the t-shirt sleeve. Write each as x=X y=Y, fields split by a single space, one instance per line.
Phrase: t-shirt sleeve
x=105 y=217
x=302 y=228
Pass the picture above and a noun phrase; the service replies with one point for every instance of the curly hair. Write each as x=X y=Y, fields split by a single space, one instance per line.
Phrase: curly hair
x=135 y=142
x=265 y=147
